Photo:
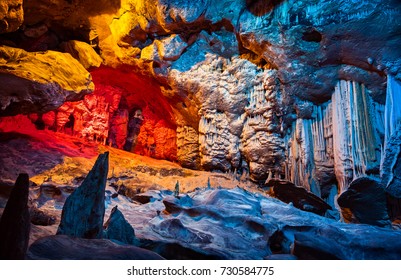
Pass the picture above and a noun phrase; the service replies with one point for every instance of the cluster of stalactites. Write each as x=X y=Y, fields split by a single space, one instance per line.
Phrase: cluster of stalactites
x=341 y=140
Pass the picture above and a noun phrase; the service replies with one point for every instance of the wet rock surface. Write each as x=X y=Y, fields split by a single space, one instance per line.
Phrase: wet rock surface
x=213 y=223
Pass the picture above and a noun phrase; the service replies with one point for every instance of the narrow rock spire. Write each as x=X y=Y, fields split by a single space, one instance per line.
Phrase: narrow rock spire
x=83 y=211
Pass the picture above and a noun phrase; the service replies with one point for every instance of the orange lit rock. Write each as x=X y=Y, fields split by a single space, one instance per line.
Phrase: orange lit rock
x=39 y=82
x=119 y=128
x=49 y=119
x=11 y=15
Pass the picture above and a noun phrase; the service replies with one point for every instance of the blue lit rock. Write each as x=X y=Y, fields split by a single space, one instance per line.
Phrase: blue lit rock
x=62 y=247
x=117 y=228
x=15 y=223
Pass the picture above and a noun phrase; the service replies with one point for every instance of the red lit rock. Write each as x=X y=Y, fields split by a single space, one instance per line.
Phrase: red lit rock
x=49 y=119
x=15 y=222
x=126 y=111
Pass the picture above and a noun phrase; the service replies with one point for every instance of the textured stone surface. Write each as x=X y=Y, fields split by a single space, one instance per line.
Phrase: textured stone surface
x=117 y=228
x=41 y=218
x=15 y=222
x=11 y=15
x=366 y=199
x=391 y=165
x=83 y=211
x=62 y=247
x=30 y=85
x=284 y=89
x=219 y=223
x=331 y=243
x=83 y=52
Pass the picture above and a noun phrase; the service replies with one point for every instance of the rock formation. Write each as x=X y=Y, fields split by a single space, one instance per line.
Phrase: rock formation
x=266 y=88
x=15 y=222
x=29 y=85
x=302 y=91
x=83 y=211
x=329 y=243
x=41 y=218
x=11 y=15
x=117 y=228
x=298 y=196
x=61 y=247
x=237 y=224
x=83 y=52
x=366 y=200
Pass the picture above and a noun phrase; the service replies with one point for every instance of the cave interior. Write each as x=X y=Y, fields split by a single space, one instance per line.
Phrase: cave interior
x=171 y=129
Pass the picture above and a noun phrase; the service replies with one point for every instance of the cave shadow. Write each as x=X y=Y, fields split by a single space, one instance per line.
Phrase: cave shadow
x=261 y=7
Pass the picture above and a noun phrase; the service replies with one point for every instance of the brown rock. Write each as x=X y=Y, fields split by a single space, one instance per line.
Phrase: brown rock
x=365 y=202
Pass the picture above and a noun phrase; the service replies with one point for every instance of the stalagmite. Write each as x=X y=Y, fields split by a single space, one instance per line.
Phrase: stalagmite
x=390 y=164
x=83 y=211
x=392 y=114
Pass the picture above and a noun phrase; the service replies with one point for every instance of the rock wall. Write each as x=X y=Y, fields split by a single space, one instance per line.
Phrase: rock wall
x=29 y=85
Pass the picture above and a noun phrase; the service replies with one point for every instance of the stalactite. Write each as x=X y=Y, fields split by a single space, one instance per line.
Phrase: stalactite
x=392 y=113
x=220 y=148
x=355 y=140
